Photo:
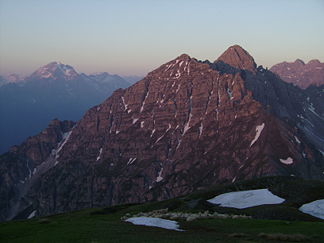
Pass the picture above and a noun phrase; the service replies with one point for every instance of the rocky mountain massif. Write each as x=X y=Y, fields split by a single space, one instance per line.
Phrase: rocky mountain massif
x=186 y=126
x=53 y=91
x=301 y=74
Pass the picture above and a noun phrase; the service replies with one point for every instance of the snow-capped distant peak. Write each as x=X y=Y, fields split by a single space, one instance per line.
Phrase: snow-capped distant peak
x=55 y=70
x=13 y=78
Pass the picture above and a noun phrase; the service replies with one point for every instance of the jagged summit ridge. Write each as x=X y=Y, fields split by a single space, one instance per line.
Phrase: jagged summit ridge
x=174 y=69
x=314 y=62
x=237 y=57
x=300 y=73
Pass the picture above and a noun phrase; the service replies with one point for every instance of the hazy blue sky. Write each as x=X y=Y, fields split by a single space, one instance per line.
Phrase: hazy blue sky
x=134 y=37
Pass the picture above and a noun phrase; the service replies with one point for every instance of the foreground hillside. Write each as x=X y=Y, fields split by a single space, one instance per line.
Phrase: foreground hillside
x=105 y=225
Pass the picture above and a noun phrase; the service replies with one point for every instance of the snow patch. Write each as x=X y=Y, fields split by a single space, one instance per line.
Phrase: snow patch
x=258 y=130
x=159 y=177
x=155 y=222
x=178 y=74
x=173 y=84
x=65 y=138
x=312 y=109
x=179 y=143
x=143 y=104
x=246 y=199
x=153 y=131
x=187 y=126
x=181 y=63
x=125 y=105
x=32 y=215
x=131 y=161
x=169 y=127
x=168 y=66
x=287 y=161
x=47 y=75
x=29 y=170
x=219 y=97
x=230 y=94
x=297 y=140
x=135 y=120
x=201 y=129
x=178 y=88
x=159 y=138
x=99 y=156
x=142 y=124
x=315 y=208
x=304 y=119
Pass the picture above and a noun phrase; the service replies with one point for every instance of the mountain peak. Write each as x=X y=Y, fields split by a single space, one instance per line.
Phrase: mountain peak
x=184 y=57
x=174 y=68
x=299 y=61
x=13 y=78
x=314 y=62
x=237 y=57
x=55 y=70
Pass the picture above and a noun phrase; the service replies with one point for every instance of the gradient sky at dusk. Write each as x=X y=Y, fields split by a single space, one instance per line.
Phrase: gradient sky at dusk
x=134 y=37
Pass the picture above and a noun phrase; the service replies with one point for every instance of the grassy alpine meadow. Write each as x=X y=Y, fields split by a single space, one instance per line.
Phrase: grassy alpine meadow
x=102 y=225
x=264 y=223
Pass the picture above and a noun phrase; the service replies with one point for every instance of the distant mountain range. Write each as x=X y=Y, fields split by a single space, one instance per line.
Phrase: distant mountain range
x=186 y=126
x=301 y=74
x=132 y=79
x=53 y=91
x=11 y=78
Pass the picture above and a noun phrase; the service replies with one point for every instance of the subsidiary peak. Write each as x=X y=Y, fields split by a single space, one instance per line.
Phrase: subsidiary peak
x=314 y=62
x=300 y=62
x=237 y=57
x=184 y=57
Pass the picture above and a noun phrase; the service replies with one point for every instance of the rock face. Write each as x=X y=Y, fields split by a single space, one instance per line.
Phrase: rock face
x=186 y=126
x=237 y=57
x=301 y=74
x=19 y=167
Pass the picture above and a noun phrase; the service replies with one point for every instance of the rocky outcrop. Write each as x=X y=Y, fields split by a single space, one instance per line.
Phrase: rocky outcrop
x=186 y=126
x=235 y=56
x=20 y=167
x=301 y=74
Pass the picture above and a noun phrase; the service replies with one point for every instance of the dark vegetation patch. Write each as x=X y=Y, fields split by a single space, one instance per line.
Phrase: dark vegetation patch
x=105 y=224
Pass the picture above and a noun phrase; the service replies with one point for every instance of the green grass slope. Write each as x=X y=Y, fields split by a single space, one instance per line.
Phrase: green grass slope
x=105 y=224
